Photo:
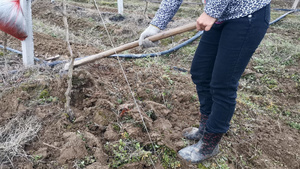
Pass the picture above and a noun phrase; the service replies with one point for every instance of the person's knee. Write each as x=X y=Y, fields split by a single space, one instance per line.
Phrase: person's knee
x=224 y=94
x=200 y=79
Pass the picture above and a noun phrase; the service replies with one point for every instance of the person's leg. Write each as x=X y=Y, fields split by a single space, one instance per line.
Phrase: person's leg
x=201 y=70
x=239 y=39
x=202 y=66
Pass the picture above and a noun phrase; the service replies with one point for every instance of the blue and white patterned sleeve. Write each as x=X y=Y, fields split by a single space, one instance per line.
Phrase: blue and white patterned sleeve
x=165 y=13
x=215 y=8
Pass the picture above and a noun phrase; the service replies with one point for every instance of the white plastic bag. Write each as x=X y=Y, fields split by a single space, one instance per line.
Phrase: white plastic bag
x=12 y=20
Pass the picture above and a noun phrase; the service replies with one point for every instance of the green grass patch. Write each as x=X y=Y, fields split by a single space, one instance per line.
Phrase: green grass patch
x=166 y=155
x=126 y=151
x=294 y=125
x=82 y=163
x=219 y=163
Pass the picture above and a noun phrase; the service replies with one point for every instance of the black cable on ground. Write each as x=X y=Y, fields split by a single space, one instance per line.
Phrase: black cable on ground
x=12 y=50
x=282 y=16
x=281 y=9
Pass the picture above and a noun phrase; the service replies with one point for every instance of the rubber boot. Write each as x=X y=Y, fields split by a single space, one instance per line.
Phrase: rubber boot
x=193 y=133
x=207 y=147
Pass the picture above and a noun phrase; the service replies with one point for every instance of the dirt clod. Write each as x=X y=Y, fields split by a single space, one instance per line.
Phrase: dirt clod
x=264 y=131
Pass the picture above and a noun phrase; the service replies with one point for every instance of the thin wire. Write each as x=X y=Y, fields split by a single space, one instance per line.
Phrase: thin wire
x=135 y=102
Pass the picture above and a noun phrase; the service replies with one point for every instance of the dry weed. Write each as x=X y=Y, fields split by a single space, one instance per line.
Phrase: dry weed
x=15 y=134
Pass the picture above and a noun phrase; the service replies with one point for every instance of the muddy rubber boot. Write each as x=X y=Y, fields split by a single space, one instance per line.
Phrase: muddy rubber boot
x=207 y=147
x=193 y=133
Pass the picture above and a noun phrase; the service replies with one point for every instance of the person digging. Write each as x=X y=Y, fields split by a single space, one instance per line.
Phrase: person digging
x=233 y=29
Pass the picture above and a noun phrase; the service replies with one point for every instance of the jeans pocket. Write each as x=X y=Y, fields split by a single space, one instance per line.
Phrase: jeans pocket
x=267 y=14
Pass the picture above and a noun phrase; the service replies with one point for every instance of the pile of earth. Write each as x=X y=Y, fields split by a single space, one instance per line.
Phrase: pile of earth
x=151 y=109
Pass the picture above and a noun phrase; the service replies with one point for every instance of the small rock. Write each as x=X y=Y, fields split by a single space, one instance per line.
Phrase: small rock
x=162 y=124
x=79 y=119
x=74 y=148
x=178 y=145
x=110 y=134
x=100 y=155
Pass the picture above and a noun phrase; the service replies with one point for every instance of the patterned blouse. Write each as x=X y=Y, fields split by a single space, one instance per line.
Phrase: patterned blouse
x=220 y=9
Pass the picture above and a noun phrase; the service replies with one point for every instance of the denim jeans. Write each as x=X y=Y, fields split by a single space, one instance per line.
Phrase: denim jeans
x=220 y=59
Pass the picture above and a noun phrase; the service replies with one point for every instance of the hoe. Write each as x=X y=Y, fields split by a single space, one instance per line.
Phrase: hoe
x=162 y=35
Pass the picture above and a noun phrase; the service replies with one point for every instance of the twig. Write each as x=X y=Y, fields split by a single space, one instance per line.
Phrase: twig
x=5 y=43
x=68 y=109
x=146 y=6
x=51 y=146
x=5 y=51
x=53 y=58
x=126 y=79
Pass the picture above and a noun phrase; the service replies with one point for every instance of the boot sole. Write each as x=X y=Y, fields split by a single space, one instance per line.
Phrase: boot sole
x=189 y=162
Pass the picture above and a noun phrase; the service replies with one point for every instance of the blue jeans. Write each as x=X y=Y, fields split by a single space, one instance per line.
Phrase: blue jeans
x=221 y=58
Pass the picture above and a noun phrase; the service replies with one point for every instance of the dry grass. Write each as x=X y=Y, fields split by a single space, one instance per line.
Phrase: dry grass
x=15 y=134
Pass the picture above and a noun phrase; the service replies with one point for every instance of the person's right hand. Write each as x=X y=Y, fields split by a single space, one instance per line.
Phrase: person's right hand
x=205 y=22
x=150 y=31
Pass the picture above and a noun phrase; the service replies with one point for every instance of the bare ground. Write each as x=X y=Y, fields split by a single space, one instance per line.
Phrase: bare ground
x=105 y=111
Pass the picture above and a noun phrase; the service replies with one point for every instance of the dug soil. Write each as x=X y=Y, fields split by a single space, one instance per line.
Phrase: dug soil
x=164 y=104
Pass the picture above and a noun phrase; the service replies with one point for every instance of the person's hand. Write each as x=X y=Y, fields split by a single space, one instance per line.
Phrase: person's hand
x=205 y=22
x=150 y=31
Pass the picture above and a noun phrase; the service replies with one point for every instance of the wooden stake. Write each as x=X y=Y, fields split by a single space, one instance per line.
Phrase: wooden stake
x=295 y=4
x=27 y=44
x=120 y=7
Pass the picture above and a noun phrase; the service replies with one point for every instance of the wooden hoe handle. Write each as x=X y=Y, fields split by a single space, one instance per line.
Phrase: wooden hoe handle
x=127 y=46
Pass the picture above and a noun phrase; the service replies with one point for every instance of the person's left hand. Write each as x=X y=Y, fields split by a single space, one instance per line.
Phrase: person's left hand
x=150 y=31
x=205 y=22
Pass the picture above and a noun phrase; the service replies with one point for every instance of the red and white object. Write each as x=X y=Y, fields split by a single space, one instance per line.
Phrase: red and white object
x=12 y=20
